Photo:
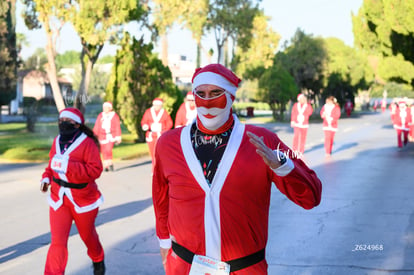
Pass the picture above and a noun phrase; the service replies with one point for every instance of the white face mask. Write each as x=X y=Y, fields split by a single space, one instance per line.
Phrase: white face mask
x=214 y=112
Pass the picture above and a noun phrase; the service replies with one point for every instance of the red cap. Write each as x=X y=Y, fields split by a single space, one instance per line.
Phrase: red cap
x=157 y=101
x=73 y=114
x=216 y=74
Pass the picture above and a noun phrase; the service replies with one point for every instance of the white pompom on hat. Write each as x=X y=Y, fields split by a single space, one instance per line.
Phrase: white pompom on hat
x=73 y=114
x=216 y=74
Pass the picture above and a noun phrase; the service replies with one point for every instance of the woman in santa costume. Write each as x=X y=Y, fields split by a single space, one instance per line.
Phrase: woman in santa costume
x=187 y=111
x=212 y=184
x=401 y=122
x=155 y=121
x=330 y=114
x=74 y=166
x=108 y=130
x=301 y=112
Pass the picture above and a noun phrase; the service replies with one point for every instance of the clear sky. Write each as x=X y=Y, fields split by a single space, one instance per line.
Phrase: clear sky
x=326 y=18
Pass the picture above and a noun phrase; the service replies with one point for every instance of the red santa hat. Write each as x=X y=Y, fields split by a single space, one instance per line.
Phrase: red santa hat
x=107 y=104
x=157 y=101
x=189 y=96
x=216 y=74
x=73 y=114
x=299 y=96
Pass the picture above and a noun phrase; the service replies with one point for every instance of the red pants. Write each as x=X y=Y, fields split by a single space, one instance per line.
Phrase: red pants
x=60 y=224
x=106 y=150
x=348 y=112
x=329 y=139
x=401 y=133
x=151 y=147
x=299 y=139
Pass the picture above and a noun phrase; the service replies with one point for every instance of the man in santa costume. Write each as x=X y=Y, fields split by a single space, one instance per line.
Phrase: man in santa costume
x=330 y=113
x=383 y=104
x=155 y=121
x=74 y=166
x=411 y=134
x=299 y=120
x=187 y=111
x=108 y=130
x=212 y=184
x=401 y=122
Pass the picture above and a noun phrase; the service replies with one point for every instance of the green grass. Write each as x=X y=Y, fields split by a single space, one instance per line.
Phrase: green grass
x=19 y=145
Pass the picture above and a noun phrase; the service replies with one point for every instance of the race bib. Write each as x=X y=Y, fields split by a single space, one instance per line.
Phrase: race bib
x=203 y=265
x=156 y=127
x=59 y=163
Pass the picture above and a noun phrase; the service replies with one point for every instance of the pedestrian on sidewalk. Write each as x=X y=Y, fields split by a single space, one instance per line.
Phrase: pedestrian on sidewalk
x=155 y=121
x=330 y=114
x=212 y=184
x=74 y=166
x=301 y=112
x=108 y=130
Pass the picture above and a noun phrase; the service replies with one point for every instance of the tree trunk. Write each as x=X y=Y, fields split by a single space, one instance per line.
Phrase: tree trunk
x=52 y=74
x=164 y=49
x=198 y=58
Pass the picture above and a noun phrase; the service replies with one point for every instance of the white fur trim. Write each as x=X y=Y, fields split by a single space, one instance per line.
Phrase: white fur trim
x=165 y=243
x=212 y=195
x=70 y=115
x=285 y=169
x=214 y=79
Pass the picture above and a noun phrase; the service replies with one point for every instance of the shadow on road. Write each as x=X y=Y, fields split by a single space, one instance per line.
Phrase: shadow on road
x=105 y=216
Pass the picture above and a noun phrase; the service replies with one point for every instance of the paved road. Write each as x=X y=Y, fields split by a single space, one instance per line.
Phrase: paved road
x=364 y=225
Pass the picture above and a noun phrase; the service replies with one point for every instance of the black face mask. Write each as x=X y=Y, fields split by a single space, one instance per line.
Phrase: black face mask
x=67 y=129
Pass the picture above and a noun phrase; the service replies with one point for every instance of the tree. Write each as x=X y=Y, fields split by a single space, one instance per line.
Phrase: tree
x=346 y=71
x=305 y=60
x=37 y=61
x=138 y=76
x=385 y=28
x=261 y=48
x=97 y=22
x=8 y=52
x=231 y=19
x=277 y=87
x=51 y=15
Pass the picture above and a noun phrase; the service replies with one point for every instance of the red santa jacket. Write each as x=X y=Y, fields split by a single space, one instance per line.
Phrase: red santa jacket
x=230 y=219
x=300 y=115
x=108 y=128
x=330 y=114
x=402 y=118
x=156 y=123
x=185 y=115
x=81 y=163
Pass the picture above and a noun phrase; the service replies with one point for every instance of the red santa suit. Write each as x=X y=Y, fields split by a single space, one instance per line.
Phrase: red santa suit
x=74 y=196
x=300 y=123
x=155 y=123
x=212 y=221
x=401 y=122
x=224 y=217
x=186 y=113
x=330 y=114
x=383 y=105
x=348 y=108
x=108 y=130
x=411 y=134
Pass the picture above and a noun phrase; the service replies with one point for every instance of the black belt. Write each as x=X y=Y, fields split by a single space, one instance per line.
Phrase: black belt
x=235 y=265
x=70 y=185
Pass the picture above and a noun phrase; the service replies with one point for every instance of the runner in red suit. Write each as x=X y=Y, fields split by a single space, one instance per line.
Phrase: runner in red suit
x=349 y=107
x=155 y=122
x=301 y=112
x=74 y=166
x=401 y=122
x=108 y=130
x=212 y=183
x=187 y=111
x=330 y=114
